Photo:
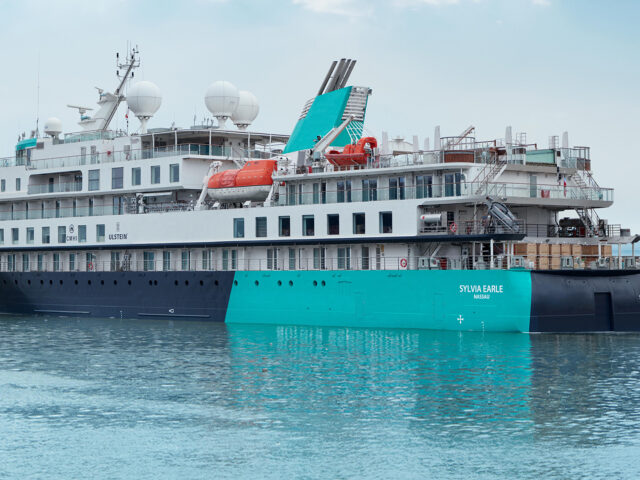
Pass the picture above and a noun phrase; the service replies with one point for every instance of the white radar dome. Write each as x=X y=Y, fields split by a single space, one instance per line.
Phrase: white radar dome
x=53 y=126
x=247 y=110
x=221 y=98
x=144 y=99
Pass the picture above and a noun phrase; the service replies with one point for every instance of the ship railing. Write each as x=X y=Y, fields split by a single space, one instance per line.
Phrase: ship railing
x=55 y=188
x=572 y=259
x=541 y=230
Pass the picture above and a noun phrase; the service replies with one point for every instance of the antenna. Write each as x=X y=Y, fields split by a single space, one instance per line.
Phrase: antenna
x=38 y=98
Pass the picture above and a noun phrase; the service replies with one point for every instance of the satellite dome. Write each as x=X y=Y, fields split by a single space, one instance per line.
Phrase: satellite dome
x=247 y=110
x=144 y=99
x=221 y=98
x=53 y=126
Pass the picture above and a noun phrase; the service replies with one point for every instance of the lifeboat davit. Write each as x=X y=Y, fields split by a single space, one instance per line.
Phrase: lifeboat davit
x=357 y=154
x=251 y=182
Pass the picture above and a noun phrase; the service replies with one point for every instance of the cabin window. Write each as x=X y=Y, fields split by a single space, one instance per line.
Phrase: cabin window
x=11 y=262
x=46 y=237
x=333 y=224
x=316 y=193
x=118 y=205
x=115 y=261
x=185 y=259
x=369 y=190
x=3 y=185
x=424 y=186
x=344 y=258
x=291 y=194
x=82 y=233
x=56 y=262
x=234 y=259
x=91 y=207
x=17 y=185
x=452 y=184
x=1 y=236
x=62 y=234
x=83 y=155
x=308 y=225
x=358 y=223
x=319 y=258
x=386 y=222
x=30 y=235
x=117 y=176
x=166 y=261
x=206 y=259
x=100 y=232
x=284 y=226
x=300 y=195
x=238 y=228
x=323 y=192
x=155 y=174
x=57 y=208
x=261 y=226
x=72 y=262
x=15 y=235
x=344 y=191
x=149 y=262
x=364 y=258
x=272 y=259
x=40 y=262
x=397 y=188
x=94 y=180
x=292 y=259
x=174 y=172
x=136 y=177
x=225 y=260
x=88 y=264
x=94 y=154
x=25 y=262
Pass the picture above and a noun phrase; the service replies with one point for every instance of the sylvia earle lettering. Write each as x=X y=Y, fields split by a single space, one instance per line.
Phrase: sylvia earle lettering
x=481 y=289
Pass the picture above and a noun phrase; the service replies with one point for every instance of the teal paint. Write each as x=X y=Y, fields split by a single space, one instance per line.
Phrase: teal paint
x=24 y=144
x=491 y=300
x=325 y=113
x=547 y=157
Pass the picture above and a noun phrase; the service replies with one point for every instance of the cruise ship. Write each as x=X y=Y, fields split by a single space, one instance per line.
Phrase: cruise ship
x=327 y=225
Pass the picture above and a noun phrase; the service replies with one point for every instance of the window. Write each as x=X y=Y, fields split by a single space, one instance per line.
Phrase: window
x=11 y=262
x=386 y=224
x=365 y=258
x=323 y=192
x=272 y=259
x=3 y=185
x=89 y=261
x=83 y=155
x=358 y=223
x=261 y=226
x=396 y=188
x=319 y=257
x=56 y=262
x=292 y=259
x=17 y=184
x=94 y=154
x=82 y=233
x=291 y=194
x=115 y=261
x=57 y=208
x=206 y=260
x=100 y=232
x=46 y=237
x=117 y=176
x=118 y=205
x=308 y=226
x=185 y=260
x=94 y=180
x=225 y=260
x=174 y=173
x=30 y=235
x=234 y=259
x=72 y=262
x=344 y=191
x=136 y=176
x=25 y=262
x=1 y=235
x=62 y=234
x=238 y=228
x=300 y=196
x=316 y=193
x=155 y=174
x=284 y=226
x=91 y=207
x=75 y=208
x=40 y=262
x=344 y=258
x=369 y=190
x=424 y=186
x=452 y=184
x=149 y=263
x=15 y=235
x=333 y=224
x=166 y=261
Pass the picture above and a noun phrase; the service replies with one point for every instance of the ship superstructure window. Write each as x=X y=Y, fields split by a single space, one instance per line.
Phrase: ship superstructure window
x=155 y=174
x=316 y=193
x=149 y=261
x=358 y=224
x=364 y=260
x=396 y=188
x=234 y=259
x=83 y=155
x=166 y=260
x=100 y=232
x=225 y=260
x=300 y=195
x=11 y=262
x=89 y=257
x=72 y=262
x=3 y=185
x=94 y=154
x=174 y=172
x=118 y=205
x=57 y=208
x=308 y=225
x=115 y=261
x=46 y=237
x=319 y=258
x=386 y=222
x=292 y=259
x=136 y=176
x=206 y=259
x=25 y=262
x=18 y=185
x=333 y=224
x=344 y=258
x=344 y=191
x=40 y=262
x=117 y=177
x=284 y=226
x=30 y=235
x=261 y=226
x=1 y=236
x=452 y=184
x=272 y=259
x=62 y=234
x=323 y=192
x=15 y=235
x=424 y=186
x=185 y=259
x=82 y=233
x=56 y=262
x=291 y=194
x=369 y=190
x=94 y=180
x=238 y=228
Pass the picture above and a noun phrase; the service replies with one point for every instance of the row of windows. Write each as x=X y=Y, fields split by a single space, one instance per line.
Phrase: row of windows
x=46 y=234
x=308 y=225
x=3 y=185
x=117 y=176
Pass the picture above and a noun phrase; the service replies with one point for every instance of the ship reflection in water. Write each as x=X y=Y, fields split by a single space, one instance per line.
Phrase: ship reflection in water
x=151 y=399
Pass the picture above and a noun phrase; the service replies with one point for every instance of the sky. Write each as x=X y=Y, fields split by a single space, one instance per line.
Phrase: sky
x=541 y=66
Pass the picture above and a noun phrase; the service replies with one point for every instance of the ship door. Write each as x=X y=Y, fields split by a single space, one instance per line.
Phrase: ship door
x=603 y=311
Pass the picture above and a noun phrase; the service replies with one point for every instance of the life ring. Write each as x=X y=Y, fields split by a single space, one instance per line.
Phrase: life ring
x=90 y=266
x=453 y=227
x=403 y=263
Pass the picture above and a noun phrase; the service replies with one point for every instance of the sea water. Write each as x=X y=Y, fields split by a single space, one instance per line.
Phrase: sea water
x=87 y=398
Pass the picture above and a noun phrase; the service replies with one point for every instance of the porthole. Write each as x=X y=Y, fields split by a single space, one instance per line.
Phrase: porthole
x=50 y=282
x=88 y=282
x=323 y=283
x=101 y=282
x=150 y=282
x=115 y=282
x=186 y=282
x=257 y=283
x=129 y=282
x=155 y=282
x=315 y=283
x=201 y=283
x=75 y=281
x=61 y=282
x=176 y=283
x=42 y=282
x=291 y=283
x=29 y=282
x=235 y=282
x=15 y=281
x=279 y=283
x=216 y=283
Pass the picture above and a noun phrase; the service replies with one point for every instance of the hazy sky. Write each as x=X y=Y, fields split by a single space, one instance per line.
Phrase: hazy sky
x=542 y=66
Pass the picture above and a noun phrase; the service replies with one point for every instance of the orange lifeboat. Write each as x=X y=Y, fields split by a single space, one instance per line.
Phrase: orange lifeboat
x=357 y=154
x=252 y=182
